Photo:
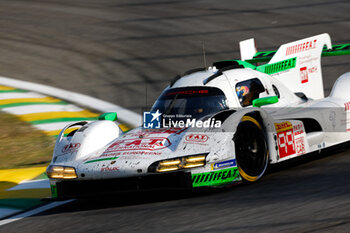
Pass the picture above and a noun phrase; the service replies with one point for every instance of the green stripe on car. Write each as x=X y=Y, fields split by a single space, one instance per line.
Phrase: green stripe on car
x=216 y=178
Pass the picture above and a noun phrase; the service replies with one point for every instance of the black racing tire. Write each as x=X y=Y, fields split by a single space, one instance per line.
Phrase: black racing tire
x=252 y=155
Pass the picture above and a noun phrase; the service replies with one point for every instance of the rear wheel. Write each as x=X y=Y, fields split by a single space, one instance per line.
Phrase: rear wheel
x=251 y=149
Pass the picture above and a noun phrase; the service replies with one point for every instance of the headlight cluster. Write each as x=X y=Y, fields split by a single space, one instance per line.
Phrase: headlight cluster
x=191 y=161
x=61 y=172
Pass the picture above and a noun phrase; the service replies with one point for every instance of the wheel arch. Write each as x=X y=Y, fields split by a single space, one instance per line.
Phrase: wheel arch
x=266 y=122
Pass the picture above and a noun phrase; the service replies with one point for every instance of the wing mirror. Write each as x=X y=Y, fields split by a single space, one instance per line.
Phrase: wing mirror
x=109 y=116
x=265 y=101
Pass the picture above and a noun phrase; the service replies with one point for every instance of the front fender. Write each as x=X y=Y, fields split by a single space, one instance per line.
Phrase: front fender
x=90 y=137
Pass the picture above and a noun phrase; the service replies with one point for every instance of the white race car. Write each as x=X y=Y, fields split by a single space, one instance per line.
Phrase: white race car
x=212 y=127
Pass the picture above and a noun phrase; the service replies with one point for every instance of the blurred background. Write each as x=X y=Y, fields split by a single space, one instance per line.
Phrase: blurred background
x=112 y=49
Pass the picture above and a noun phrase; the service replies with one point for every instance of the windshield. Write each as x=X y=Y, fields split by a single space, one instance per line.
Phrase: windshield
x=191 y=102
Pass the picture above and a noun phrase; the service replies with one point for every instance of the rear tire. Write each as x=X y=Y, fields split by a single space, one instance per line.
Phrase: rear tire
x=251 y=149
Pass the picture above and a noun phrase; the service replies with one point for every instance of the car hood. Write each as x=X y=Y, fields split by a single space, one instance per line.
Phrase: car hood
x=133 y=152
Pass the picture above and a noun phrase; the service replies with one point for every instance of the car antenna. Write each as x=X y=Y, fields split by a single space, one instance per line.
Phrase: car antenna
x=146 y=94
x=204 y=59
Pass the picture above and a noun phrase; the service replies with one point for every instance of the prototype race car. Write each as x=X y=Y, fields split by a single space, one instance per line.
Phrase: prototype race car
x=212 y=127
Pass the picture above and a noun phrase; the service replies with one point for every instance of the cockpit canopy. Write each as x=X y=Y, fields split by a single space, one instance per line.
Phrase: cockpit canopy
x=249 y=90
x=191 y=102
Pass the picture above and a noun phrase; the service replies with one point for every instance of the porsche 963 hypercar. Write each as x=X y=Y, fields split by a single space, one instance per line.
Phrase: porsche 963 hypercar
x=212 y=127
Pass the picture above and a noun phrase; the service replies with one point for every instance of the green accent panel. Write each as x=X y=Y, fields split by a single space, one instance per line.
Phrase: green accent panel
x=262 y=57
x=109 y=116
x=259 y=60
x=20 y=203
x=265 y=101
x=53 y=191
x=337 y=50
x=16 y=90
x=278 y=66
x=264 y=54
x=246 y=64
x=63 y=120
x=29 y=103
x=227 y=63
x=216 y=178
x=99 y=160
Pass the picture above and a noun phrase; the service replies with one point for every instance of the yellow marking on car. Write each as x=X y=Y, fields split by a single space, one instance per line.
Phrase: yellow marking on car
x=246 y=176
x=57 y=132
x=124 y=127
x=248 y=118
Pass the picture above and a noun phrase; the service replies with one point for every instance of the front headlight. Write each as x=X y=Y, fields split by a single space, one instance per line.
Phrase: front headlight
x=61 y=172
x=167 y=165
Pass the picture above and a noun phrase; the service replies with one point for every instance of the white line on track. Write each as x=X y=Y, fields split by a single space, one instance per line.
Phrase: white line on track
x=34 y=211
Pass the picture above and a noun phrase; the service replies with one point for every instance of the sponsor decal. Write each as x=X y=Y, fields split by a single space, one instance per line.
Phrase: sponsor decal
x=278 y=66
x=347 y=106
x=141 y=153
x=308 y=59
x=301 y=47
x=187 y=92
x=71 y=147
x=224 y=164
x=131 y=154
x=150 y=132
x=109 y=169
x=300 y=146
x=139 y=144
x=283 y=126
x=196 y=138
x=304 y=74
x=216 y=178
x=312 y=70
x=290 y=139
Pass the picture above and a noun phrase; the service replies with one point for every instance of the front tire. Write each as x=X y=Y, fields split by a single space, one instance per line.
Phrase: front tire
x=251 y=149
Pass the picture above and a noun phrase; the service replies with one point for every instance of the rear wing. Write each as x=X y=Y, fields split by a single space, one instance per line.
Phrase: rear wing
x=336 y=50
x=296 y=64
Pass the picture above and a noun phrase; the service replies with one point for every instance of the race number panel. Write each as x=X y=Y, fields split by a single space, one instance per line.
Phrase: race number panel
x=290 y=138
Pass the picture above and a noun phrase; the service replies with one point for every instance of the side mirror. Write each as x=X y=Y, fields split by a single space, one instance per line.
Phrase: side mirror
x=109 y=116
x=265 y=101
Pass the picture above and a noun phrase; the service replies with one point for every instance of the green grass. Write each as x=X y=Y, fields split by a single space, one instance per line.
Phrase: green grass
x=21 y=145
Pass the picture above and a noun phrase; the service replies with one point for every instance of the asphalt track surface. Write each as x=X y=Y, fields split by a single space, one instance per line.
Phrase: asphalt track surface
x=126 y=52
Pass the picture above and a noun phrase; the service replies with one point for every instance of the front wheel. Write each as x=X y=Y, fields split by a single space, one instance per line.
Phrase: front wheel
x=251 y=149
